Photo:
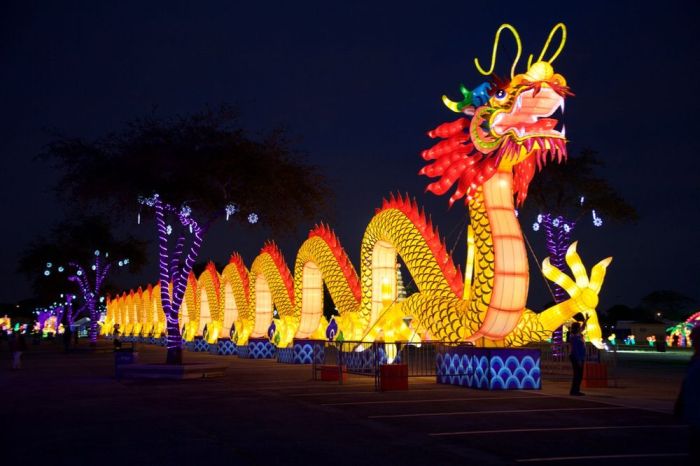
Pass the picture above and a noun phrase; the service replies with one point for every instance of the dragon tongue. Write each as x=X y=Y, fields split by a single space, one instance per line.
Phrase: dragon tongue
x=544 y=124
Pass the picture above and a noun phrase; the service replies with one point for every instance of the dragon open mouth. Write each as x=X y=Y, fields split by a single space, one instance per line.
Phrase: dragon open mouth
x=535 y=113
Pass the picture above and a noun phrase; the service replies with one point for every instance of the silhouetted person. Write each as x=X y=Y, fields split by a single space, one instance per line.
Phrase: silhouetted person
x=66 y=338
x=17 y=346
x=688 y=402
x=117 y=341
x=577 y=355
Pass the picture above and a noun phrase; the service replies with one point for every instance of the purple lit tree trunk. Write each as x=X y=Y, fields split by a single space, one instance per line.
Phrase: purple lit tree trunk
x=91 y=291
x=174 y=270
x=66 y=310
x=557 y=230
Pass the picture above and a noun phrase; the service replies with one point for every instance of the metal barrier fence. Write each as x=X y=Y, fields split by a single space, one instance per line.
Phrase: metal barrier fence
x=366 y=359
x=558 y=366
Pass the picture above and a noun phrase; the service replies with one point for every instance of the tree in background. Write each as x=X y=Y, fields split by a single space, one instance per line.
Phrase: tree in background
x=563 y=195
x=668 y=305
x=191 y=170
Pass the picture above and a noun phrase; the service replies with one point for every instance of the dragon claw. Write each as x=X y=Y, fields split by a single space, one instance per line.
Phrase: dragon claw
x=583 y=289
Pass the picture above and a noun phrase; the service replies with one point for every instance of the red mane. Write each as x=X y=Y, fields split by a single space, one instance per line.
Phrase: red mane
x=457 y=161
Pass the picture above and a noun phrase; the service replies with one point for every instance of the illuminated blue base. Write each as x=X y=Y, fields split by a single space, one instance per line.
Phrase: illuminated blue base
x=304 y=351
x=490 y=368
x=200 y=345
x=261 y=348
x=225 y=347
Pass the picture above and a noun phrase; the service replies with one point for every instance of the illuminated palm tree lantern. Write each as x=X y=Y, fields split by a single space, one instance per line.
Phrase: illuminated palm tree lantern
x=90 y=285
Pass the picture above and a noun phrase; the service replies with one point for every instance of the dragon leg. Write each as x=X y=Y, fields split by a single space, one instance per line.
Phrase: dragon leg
x=583 y=294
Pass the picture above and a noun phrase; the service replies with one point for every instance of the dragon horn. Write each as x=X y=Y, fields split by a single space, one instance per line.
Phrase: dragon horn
x=458 y=106
x=452 y=105
x=549 y=40
x=495 y=49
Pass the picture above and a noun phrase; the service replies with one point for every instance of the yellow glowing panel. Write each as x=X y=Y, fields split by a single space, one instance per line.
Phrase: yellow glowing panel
x=230 y=309
x=263 y=307
x=204 y=313
x=311 y=301
x=383 y=277
x=184 y=316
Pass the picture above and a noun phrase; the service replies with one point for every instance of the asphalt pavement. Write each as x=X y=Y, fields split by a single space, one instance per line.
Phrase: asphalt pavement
x=69 y=409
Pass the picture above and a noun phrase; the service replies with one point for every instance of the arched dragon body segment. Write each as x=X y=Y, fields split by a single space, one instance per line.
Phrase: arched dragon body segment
x=123 y=313
x=321 y=259
x=189 y=309
x=158 y=313
x=148 y=311
x=209 y=300
x=235 y=293
x=131 y=313
x=271 y=285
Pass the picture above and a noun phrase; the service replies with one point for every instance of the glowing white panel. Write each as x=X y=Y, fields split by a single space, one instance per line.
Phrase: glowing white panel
x=311 y=301
x=263 y=307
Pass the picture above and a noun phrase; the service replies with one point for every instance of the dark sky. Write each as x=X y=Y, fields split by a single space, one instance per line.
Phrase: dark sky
x=360 y=84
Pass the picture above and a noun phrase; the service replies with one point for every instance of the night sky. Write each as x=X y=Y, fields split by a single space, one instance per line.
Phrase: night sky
x=360 y=86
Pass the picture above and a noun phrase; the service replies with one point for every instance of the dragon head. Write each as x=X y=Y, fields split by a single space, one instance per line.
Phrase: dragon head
x=513 y=125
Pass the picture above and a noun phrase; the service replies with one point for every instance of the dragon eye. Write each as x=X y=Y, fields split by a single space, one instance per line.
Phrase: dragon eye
x=500 y=94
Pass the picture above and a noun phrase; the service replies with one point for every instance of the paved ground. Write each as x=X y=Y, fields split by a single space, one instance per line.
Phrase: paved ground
x=69 y=409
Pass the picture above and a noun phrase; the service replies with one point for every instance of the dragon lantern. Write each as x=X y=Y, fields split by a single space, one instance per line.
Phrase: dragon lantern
x=508 y=131
x=491 y=158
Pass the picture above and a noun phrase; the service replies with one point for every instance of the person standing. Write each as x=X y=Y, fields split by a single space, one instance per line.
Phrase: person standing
x=17 y=346
x=117 y=342
x=577 y=355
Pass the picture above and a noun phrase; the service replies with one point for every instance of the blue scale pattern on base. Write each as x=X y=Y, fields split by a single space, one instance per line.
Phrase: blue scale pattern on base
x=261 y=349
x=490 y=369
x=302 y=352
x=225 y=347
x=200 y=345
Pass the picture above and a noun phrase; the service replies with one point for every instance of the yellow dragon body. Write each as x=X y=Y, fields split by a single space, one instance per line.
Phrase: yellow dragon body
x=491 y=159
